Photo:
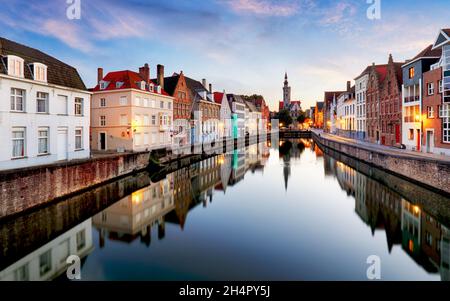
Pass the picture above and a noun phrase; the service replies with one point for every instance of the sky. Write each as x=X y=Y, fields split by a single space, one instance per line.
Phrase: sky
x=240 y=46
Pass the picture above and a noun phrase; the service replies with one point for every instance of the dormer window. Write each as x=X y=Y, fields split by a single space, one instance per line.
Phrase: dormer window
x=158 y=89
x=119 y=85
x=39 y=72
x=141 y=85
x=103 y=84
x=152 y=87
x=14 y=65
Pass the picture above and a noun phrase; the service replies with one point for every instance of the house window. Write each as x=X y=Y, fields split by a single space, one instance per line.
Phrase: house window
x=411 y=72
x=137 y=101
x=440 y=86
x=161 y=104
x=430 y=88
x=446 y=123
x=22 y=273
x=81 y=240
x=146 y=139
x=123 y=119
x=169 y=105
x=123 y=101
x=43 y=145
x=18 y=142
x=146 y=102
x=40 y=72
x=103 y=102
x=411 y=134
x=78 y=106
x=146 y=120
x=17 y=100
x=78 y=138
x=430 y=112
x=45 y=263
x=42 y=102
x=15 y=66
x=102 y=120
x=153 y=119
x=62 y=105
x=137 y=139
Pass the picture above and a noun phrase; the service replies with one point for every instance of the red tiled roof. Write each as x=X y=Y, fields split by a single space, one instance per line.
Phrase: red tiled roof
x=281 y=105
x=381 y=70
x=218 y=97
x=130 y=80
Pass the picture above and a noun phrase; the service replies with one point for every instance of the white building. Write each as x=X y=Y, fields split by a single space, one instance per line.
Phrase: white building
x=49 y=261
x=237 y=106
x=360 y=95
x=45 y=112
x=225 y=124
x=253 y=119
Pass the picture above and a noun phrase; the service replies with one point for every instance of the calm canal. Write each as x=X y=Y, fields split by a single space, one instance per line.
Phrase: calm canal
x=289 y=211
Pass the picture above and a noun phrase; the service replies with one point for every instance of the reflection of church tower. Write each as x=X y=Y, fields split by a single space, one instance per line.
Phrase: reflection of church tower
x=286 y=170
x=286 y=92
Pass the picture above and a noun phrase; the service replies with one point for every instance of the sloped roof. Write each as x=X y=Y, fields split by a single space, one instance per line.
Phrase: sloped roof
x=130 y=80
x=447 y=31
x=58 y=73
x=366 y=71
x=428 y=52
x=251 y=106
x=170 y=83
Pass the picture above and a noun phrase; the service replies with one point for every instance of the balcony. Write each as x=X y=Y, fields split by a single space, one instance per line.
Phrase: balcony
x=411 y=98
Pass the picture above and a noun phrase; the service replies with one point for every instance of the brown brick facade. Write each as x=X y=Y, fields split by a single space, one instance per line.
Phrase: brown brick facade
x=432 y=122
x=182 y=100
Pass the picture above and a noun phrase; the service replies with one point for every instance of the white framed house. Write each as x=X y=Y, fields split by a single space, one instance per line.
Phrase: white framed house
x=46 y=115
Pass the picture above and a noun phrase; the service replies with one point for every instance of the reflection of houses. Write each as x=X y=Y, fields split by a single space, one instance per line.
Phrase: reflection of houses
x=445 y=254
x=182 y=194
x=237 y=166
x=135 y=214
x=346 y=178
x=412 y=235
x=207 y=176
x=49 y=261
x=225 y=172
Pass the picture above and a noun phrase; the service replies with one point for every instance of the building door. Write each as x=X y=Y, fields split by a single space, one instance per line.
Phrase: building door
x=418 y=140
x=397 y=133
x=430 y=141
x=102 y=141
x=62 y=144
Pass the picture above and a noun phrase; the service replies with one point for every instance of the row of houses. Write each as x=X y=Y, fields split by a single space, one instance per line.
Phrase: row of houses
x=402 y=104
x=47 y=114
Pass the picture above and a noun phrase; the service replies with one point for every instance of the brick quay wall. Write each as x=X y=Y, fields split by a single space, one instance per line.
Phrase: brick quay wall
x=428 y=172
x=27 y=188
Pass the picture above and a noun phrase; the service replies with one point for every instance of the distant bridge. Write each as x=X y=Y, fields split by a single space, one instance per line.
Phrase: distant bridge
x=295 y=134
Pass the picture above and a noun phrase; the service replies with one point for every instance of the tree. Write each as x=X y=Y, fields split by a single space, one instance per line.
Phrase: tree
x=284 y=116
x=301 y=117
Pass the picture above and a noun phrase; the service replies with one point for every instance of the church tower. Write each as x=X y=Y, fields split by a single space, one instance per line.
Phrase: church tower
x=286 y=92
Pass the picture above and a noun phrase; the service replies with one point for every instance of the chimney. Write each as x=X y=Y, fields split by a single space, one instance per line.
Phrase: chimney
x=210 y=88
x=99 y=75
x=348 y=86
x=160 y=75
x=204 y=83
x=144 y=72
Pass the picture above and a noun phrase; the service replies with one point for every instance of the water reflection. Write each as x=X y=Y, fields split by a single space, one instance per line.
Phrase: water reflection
x=128 y=212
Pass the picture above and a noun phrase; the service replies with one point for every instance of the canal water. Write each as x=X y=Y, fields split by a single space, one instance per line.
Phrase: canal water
x=272 y=211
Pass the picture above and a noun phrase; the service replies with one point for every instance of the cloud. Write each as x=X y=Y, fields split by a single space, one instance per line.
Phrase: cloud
x=264 y=7
x=67 y=33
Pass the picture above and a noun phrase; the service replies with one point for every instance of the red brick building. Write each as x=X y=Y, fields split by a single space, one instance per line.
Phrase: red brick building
x=384 y=103
x=176 y=87
x=435 y=110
